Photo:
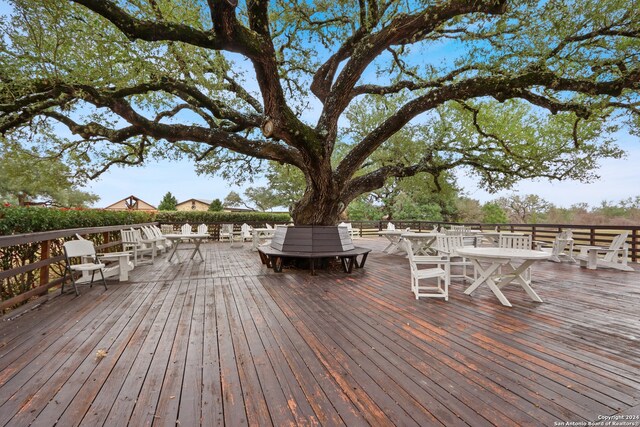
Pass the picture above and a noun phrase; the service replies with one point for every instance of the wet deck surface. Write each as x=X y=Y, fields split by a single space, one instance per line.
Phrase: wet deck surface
x=227 y=341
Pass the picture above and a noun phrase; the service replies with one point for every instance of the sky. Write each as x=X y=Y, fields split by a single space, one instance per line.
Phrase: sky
x=620 y=179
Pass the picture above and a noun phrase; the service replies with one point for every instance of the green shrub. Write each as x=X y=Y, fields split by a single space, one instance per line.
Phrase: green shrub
x=18 y=220
x=200 y=217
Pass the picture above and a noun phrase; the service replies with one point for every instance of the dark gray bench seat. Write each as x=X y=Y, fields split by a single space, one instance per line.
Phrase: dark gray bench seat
x=274 y=258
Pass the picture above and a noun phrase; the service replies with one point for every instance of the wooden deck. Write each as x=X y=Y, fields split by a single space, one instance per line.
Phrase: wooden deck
x=227 y=341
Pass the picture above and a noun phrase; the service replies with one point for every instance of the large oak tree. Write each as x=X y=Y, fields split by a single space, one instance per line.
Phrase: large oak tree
x=505 y=89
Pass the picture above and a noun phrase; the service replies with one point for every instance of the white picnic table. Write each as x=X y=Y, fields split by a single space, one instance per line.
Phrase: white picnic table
x=180 y=239
x=394 y=237
x=488 y=261
x=421 y=243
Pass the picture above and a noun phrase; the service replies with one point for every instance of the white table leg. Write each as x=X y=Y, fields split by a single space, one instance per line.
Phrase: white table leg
x=485 y=277
x=175 y=248
x=197 y=249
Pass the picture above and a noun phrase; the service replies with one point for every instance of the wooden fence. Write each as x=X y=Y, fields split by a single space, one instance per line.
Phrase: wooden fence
x=34 y=262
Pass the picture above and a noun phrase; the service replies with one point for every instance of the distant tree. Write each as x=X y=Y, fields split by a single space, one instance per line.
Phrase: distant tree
x=530 y=208
x=362 y=209
x=468 y=210
x=262 y=198
x=492 y=213
x=233 y=200
x=26 y=177
x=216 y=206
x=168 y=202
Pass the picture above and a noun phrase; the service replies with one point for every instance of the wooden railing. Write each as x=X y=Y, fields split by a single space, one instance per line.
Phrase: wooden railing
x=41 y=260
x=41 y=268
x=593 y=235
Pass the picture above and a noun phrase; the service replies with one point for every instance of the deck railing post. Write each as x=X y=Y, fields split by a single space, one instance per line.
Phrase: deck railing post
x=634 y=245
x=44 y=254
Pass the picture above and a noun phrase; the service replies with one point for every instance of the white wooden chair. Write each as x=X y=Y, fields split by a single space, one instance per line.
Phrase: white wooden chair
x=562 y=242
x=86 y=252
x=516 y=241
x=226 y=232
x=446 y=246
x=438 y=272
x=203 y=229
x=186 y=229
x=166 y=229
x=615 y=256
x=390 y=226
x=246 y=233
x=161 y=242
x=353 y=232
x=159 y=234
x=131 y=241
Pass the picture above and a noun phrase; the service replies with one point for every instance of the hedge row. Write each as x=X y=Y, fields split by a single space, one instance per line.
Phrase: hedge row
x=18 y=220
x=206 y=217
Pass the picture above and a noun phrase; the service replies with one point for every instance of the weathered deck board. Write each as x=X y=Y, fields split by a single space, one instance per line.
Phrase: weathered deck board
x=228 y=342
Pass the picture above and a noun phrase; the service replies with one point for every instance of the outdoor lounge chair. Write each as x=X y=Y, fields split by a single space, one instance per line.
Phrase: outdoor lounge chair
x=438 y=272
x=226 y=232
x=563 y=241
x=131 y=241
x=615 y=256
x=84 y=250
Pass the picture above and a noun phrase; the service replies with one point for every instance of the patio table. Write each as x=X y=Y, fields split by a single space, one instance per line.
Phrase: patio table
x=178 y=239
x=421 y=242
x=494 y=258
x=394 y=237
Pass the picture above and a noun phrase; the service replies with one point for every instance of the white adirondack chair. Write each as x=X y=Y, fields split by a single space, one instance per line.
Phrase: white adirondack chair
x=203 y=229
x=226 y=232
x=246 y=232
x=615 y=256
x=186 y=229
x=562 y=242
x=391 y=226
x=438 y=272
x=131 y=241
x=149 y=234
x=446 y=245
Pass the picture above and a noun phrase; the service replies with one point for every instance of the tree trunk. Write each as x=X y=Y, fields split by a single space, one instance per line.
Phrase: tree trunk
x=319 y=206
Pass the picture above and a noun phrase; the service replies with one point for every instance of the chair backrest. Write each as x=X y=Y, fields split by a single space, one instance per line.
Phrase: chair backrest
x=203 y=229
x=128 y=236
x=245 y=229
x=449 y=243
x=346 y=224
x=616 y=244
x=76 y=248
x=185 y=229
x=515 y=241
x=148 y=233
x=390 y=226
x=268 y=226
x=226 y=229
x=561 y=242
x=166 y=229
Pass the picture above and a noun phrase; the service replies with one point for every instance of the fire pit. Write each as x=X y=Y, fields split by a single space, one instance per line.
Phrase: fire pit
x=311 y=246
